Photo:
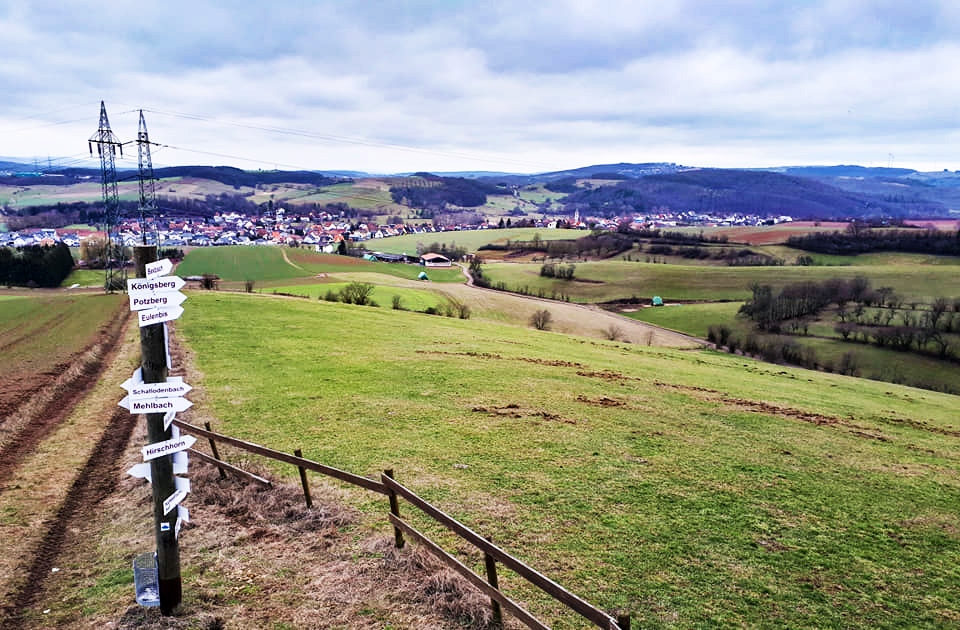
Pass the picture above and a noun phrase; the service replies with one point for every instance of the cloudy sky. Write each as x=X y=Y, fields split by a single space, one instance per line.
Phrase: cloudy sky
x=388 y=86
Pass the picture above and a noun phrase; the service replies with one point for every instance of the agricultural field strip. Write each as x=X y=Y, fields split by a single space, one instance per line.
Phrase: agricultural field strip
x=602 y=281
x=829 y=430
x=38 y=485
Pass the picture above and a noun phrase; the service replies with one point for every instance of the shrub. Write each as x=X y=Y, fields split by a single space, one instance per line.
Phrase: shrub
x=356 y=293
x=209 y=281
x=613 y=332
x=248 y=286
x=397 y=303
x=541 y=319
x=331 y=296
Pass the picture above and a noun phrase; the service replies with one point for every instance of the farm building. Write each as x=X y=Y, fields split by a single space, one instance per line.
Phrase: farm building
x=434 y=260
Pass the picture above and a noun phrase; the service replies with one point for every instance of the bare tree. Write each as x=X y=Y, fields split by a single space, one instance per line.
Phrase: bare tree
x=541 y=319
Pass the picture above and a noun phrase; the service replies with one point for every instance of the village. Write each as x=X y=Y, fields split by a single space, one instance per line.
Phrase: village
x=324 y=232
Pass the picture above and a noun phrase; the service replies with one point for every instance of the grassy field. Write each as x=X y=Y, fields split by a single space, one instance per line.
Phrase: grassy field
x=37 y=333
x=692 y=319
x=411 y=299
x=612 y=280
x=470 y=239
x=266 y=264
x=85 y=278
x=695 y=489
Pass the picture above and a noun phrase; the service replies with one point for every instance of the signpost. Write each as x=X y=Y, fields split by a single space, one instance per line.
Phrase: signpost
x=156 y=298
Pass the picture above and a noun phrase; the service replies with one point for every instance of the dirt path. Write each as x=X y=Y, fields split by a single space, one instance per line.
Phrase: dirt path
x=96 y=480
x=283 y=252
x=49 y=403
x=596 y=310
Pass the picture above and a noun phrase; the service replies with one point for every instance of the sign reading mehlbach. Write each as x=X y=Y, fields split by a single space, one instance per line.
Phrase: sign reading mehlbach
x=155 y=405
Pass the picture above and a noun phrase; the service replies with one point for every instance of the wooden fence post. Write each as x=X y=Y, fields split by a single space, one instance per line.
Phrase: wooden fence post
x=213 y=449
x=491 y=565
x=623 y=621
x=303 y=480
x=395 y=510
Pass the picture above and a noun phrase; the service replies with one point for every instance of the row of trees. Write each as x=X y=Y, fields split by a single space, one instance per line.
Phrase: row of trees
x=35 y=266
x=859 y=239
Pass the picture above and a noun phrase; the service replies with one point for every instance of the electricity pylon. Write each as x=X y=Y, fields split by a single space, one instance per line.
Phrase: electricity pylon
x=107 y=145
x=148 y=197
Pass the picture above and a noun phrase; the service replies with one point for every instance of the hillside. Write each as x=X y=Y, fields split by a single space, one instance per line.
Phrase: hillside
x=692 y=488
x=722 y=192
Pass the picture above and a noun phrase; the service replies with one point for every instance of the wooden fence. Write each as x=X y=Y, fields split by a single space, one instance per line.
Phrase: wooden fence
x=394 y=491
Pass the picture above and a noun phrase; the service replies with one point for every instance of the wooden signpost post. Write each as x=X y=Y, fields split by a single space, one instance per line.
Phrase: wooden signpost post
x=157 y=299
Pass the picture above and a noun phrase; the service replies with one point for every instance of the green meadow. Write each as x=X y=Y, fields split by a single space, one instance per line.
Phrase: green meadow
x=616 y=279
x=410 y=299
x=693 y=488
x=472 y=240
x=270 y=264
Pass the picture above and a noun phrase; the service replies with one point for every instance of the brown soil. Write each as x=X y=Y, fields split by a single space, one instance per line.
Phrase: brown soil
x=41 y=402
x=513 y=410
x=602 y=401
x=97 y=479
x=490 y=355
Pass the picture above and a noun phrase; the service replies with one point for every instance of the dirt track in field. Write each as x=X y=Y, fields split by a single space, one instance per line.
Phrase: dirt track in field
x=96 y=481
x=33 y=407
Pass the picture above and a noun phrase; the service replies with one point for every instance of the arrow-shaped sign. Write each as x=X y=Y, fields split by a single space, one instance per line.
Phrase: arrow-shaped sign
x=158 y=315
x=159 y=268
x=159 y=449
x=141 y=471
x=168 y=419
x=173 y=387
x=139 y=302
x=183 y=516
x=155 y=405
x=183 y=489
x=142 y=287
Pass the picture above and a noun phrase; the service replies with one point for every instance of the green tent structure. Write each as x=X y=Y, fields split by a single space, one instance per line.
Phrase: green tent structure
x=657 y=300
x=422 y=276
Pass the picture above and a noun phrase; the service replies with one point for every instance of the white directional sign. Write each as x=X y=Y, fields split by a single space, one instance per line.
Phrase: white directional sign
x=141 y=471
x=172 y=388
x=155 y=405
x=156 y=300
x=180 y=461
x=142 y=287
x=159 y=449
x=183 y=516
x=158 y=315
x=159 y=268
x=183 y=488
x=168 y=419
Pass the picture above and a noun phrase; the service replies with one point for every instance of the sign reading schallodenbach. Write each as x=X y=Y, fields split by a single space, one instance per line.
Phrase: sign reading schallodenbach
x=173 y=388
x=159 y=268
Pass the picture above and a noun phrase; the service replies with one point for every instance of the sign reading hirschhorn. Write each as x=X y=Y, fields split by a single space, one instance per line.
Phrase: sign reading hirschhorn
x=168 y=447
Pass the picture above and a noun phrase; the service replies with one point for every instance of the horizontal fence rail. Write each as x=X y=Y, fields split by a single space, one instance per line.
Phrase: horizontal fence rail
x=526 y=618
x=548 y=586
x=280 y=456
x=222 y=465
x=391 y=488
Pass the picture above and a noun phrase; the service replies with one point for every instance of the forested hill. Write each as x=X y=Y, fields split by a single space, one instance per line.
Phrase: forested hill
x=224 y=174
x=721 y=191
